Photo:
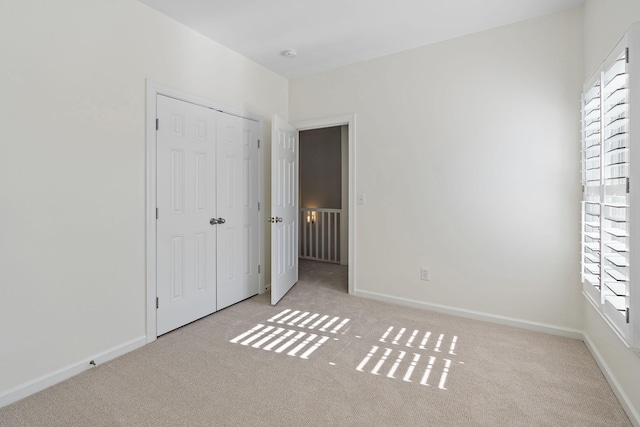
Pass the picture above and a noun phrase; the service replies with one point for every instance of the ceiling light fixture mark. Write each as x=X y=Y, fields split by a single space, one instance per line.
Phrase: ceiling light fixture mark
x=289 y=53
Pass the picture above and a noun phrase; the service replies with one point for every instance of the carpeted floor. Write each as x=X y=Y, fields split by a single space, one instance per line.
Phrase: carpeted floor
x=324 y=358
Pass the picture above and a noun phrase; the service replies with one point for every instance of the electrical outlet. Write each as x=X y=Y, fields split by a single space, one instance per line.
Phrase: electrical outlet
x=425 y=274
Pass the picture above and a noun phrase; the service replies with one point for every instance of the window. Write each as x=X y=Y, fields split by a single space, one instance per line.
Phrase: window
x=609 y=166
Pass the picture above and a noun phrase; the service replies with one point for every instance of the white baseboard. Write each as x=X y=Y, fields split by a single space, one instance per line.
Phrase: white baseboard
x=476 y=315
x=624 y=400
x=14 y=394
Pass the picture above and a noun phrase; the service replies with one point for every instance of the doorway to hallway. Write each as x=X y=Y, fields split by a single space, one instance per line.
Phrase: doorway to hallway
x=323 y=194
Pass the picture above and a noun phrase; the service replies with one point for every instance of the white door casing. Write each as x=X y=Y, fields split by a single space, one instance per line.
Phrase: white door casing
x=284 y=208
x=237 y=203
x=186 y=201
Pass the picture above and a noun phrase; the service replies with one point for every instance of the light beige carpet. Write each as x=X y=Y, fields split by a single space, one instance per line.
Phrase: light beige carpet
x=323 y=358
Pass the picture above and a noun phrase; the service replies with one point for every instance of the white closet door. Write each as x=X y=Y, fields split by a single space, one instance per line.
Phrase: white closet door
x=237 y=201
x=186 y=241
x=284 y=208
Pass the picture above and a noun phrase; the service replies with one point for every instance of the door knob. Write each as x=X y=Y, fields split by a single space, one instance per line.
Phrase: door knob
x=278 y=219
x=273 y=220
x=215 y=221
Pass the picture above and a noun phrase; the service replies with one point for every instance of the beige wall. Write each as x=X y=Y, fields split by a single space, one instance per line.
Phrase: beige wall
x=468 y=153
x=605 y=22
x=72 y=169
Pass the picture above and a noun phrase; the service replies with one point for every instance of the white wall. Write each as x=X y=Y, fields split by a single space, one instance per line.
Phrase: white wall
x=72 y=168
x=605 y=22
x=468 y=153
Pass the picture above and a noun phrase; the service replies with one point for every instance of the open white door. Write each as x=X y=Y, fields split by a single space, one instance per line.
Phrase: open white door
x=284 y=208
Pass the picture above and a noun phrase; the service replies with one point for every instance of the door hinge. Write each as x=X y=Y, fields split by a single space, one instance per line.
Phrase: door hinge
x=157 y=214
x=258 y=205
x=157 y=302
x=628 y=185
x=258 y=143
x=626 y=54
x=627 y=316
x=157 y=124
x=258 y=269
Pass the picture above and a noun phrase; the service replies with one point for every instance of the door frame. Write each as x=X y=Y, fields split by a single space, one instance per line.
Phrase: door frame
x=152 y=91
x=350 y=121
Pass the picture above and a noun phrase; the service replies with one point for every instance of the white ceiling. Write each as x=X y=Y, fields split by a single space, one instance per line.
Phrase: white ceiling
x=331 y=33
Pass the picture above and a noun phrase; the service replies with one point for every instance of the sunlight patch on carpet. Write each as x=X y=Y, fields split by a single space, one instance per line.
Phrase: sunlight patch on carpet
x=404 y=353
x=310 y=321
x=409 y=355
x=279 y=340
